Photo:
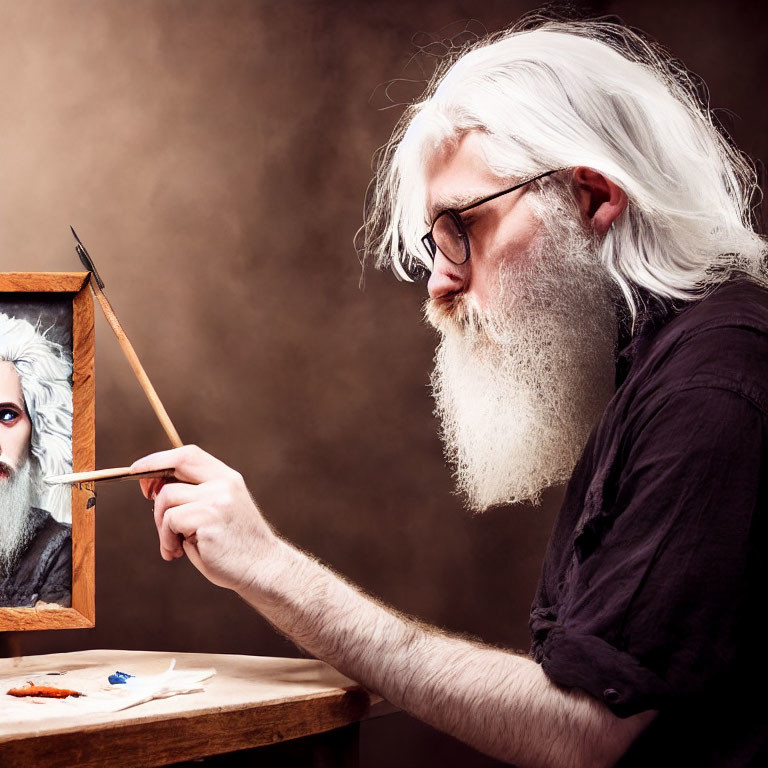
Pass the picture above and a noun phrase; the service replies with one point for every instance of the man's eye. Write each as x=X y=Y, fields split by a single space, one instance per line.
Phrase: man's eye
x=8 y=416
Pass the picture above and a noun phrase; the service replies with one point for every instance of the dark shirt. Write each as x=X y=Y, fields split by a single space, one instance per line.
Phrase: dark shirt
x=655 y=575
x=44 y=571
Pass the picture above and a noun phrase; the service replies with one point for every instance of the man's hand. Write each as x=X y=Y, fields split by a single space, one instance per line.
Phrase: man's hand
x=208 y=514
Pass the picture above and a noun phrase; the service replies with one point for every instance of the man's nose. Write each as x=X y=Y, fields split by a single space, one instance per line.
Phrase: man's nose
x=447 y=278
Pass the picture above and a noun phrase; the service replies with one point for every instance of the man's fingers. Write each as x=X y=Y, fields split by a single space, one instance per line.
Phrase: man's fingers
x=192 y=464
x=150 y=486
x=170 y=496
x=183 y=521
x=173 y=495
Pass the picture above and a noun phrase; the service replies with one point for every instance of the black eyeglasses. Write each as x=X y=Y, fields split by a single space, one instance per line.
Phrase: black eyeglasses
x=448 y=234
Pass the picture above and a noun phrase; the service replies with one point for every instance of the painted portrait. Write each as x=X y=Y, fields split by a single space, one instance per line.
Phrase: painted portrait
x=35 y=442
x=46 y=430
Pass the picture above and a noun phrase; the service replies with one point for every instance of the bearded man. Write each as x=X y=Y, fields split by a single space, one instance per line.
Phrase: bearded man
x=35 y=441
x=600 y=298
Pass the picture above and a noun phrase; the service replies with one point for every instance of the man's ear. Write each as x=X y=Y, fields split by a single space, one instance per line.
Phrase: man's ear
x=600 y=201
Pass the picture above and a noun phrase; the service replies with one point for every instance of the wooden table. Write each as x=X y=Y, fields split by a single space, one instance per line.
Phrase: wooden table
x=252 y=701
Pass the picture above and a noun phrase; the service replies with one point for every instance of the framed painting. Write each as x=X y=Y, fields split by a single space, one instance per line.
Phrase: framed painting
x=46 y=428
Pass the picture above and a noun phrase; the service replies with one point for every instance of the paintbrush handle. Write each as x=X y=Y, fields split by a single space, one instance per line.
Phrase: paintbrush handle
x=138 y=370
x=115 y=473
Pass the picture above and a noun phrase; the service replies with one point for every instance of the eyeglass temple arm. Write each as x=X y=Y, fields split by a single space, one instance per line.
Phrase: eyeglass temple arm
x=506 y=191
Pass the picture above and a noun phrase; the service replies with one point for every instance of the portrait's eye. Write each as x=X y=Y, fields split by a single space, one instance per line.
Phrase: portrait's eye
x=8 y=415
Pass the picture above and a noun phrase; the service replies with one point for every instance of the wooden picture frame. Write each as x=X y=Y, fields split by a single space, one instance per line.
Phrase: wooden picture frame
x=62 y=289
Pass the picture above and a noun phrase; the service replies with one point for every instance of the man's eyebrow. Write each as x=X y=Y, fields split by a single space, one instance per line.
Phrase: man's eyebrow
x=459 y=200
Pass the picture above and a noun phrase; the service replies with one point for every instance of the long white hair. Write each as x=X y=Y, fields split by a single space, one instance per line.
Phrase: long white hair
x=45 y=370
x=565 y=94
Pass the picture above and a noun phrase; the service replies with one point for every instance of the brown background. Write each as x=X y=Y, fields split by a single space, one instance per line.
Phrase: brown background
x=213 y=156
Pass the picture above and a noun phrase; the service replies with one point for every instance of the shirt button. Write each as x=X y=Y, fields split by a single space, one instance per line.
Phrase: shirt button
x=611 y=695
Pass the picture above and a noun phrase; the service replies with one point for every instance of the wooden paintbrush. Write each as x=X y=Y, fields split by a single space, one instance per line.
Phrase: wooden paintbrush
x=119 y=473
x=97 y=286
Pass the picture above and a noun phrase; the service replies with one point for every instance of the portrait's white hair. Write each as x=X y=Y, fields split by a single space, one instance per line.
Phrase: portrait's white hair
x=45 y=371
x=562 y=94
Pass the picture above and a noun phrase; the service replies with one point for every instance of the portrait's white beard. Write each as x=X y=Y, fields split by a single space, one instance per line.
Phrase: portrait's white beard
x=15 y=521
x=519 y=385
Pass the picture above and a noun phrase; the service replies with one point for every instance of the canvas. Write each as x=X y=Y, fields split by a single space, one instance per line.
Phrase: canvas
x=46 y=429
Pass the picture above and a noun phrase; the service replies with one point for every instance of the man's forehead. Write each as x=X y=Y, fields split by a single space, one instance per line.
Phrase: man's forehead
x=457 y=175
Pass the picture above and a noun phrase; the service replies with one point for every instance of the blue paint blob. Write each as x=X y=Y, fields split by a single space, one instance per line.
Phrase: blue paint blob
x=119 y=678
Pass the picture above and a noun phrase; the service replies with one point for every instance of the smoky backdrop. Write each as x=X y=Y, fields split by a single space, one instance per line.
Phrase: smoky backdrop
x=213 y=155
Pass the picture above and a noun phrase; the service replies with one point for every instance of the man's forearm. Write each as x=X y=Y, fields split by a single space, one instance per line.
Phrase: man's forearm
x=499 y=702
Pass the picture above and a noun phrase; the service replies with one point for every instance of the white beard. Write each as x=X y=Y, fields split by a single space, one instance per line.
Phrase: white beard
x=15 y=521
x=519 y=386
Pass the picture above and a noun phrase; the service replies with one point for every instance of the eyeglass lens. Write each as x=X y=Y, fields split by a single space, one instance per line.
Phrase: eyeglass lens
x=450 y=237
